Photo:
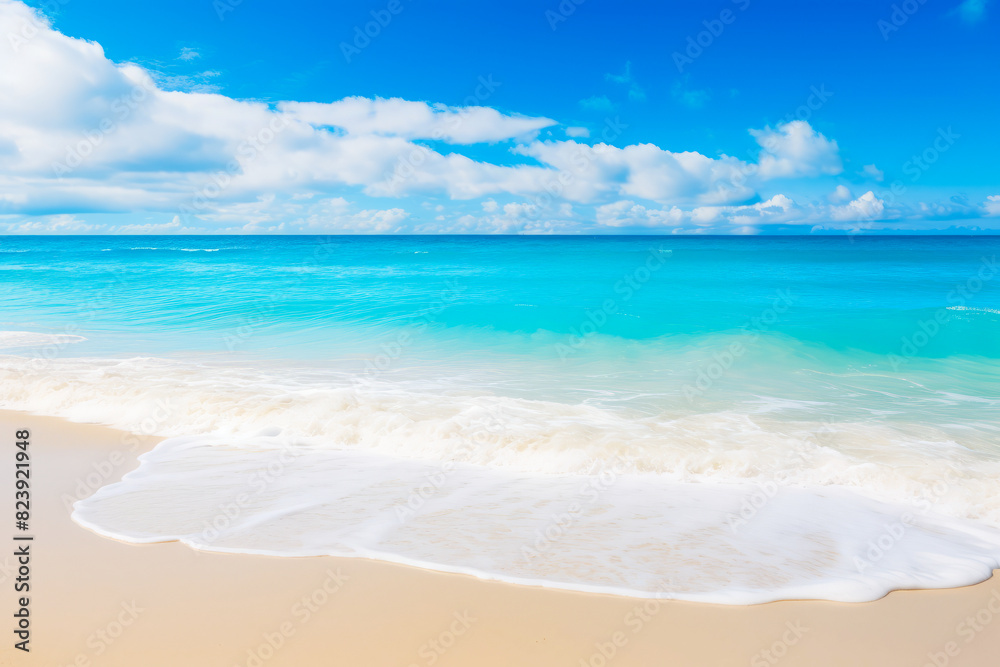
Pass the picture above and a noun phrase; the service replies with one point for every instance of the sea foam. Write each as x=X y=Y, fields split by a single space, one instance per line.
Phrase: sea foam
x=611 y=532
x=31 y=339
x=728 y=506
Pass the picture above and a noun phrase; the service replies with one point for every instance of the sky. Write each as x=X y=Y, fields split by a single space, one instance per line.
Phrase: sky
x=515 y=117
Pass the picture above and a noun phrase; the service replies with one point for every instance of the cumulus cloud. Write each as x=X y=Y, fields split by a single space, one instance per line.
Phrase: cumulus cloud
x=841 y=194
x=80 y=133
x=586 y=173
x=335 y=215
x=627 y=213
x=991 y=206
x=795 y=149
x=63 y=223
x=777 y=209
x=867 y=212
x=415 y=120
x=873 y=172
x=513 y=218
x=865 y=207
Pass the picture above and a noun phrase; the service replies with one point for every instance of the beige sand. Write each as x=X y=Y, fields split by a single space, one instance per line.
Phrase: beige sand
x=95 y=601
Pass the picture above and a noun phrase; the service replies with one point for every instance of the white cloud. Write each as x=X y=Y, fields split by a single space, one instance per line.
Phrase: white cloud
x=577 y=132
x=871 y=171
x=992 y=205
x=586 y=173
x=627 y=213
x=340 y=219
x=841 y=194
x=513 y=218
x=865 y=207
x=778 y=208
x=79 y=132
x=63 y=223
x=188 y=53
x=415 y=120
x=795 y=149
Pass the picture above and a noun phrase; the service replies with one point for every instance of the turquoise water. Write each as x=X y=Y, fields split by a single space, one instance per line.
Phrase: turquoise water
x=842 y=378
x=303 y=294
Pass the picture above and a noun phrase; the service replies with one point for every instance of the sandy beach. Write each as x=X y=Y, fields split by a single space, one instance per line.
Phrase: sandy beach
x=96 y=601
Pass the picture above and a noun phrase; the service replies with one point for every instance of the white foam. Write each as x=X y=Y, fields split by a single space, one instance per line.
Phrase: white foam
x=181 y=249
x=31 y=339
x=638 y=535
x=362 y=449
x=895 y=462
x=994 y=311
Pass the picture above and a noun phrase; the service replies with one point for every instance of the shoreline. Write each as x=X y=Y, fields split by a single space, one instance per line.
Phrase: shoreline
x=106 y=602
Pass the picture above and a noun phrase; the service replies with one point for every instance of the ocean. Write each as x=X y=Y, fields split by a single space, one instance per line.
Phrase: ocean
x=723 y=419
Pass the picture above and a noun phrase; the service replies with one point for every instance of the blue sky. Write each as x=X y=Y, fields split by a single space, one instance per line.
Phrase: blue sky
x=736 y=116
